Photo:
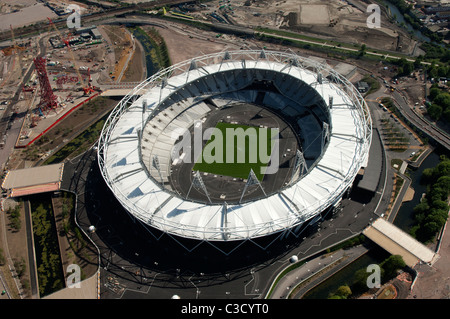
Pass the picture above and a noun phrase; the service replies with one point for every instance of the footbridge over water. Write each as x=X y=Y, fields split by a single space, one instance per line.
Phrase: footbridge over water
x=397 y=242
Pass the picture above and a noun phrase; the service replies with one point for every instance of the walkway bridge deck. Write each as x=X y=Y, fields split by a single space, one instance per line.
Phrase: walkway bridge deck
x=398 y=242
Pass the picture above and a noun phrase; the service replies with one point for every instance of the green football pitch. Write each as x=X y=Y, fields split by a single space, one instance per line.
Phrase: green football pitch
x=233 y=150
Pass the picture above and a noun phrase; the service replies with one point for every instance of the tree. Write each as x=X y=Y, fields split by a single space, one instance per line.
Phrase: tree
x=421 y=210
x=359 y=283
x=435 y=111
x=362 y=50
x=442 y=99
x=434 y=92
x=343 y=292
x=391 y=265
x=427 y=176
x=433 y=72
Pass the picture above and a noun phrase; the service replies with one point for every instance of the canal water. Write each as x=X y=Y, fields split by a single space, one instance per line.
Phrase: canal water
x=405 y=217
x=346 y=276
x=151 y=66
x=404 y=220
x=398 y=16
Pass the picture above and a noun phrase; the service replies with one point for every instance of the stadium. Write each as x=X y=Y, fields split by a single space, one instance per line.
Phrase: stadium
x=316 y=125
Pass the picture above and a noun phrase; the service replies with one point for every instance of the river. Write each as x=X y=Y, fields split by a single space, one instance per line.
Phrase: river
x=398 y=16
x=346 y=276
x=151 y=67
x=405 y=218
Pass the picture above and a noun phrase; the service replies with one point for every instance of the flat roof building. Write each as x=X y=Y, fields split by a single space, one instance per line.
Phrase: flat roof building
x=33 y=180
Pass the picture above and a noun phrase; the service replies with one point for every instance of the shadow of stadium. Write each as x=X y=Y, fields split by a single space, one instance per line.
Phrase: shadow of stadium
x=118 y=234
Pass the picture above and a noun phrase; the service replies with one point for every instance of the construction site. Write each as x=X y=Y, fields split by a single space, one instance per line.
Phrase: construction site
x=54 y=74
x=337 y=20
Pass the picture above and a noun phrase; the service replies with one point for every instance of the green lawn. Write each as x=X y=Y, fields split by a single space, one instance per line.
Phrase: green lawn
x=251 y=147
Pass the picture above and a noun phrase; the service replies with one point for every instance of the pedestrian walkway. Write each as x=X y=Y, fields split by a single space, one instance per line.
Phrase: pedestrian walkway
x=397 y=242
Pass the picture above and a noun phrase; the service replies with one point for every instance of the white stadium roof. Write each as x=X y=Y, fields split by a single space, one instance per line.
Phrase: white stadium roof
x=122 y=162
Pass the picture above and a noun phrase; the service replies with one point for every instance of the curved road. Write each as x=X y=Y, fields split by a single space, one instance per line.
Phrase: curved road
x=419 y=121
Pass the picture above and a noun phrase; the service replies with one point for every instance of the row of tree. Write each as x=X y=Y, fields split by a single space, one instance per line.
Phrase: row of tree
x=48 y=260
x=14 y=217
x=432 y=212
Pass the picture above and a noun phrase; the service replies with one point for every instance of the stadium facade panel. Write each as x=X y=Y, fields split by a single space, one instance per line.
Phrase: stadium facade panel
x=135 y=149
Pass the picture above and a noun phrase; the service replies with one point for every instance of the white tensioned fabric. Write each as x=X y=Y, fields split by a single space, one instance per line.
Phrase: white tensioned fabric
x=121 y=159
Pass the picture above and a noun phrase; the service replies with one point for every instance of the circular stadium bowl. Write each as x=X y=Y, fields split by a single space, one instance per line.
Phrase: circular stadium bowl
x=139 y=148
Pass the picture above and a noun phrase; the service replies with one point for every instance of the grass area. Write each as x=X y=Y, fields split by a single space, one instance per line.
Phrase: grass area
x=373 y=83
x=79 y=144
x=339 y=47
x=233 y=150
x=397 y=162
x=398 y=185
x=282 y=274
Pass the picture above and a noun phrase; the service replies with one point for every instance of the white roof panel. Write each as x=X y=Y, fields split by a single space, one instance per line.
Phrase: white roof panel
x=142 y=196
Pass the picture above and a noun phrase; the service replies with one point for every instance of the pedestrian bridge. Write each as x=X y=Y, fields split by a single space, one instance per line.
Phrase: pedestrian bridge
x=118 y=89
x=117 y=92
x=397 y=242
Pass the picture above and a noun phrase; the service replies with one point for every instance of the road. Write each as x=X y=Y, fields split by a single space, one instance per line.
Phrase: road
x=315 y=270
x=13 y=132
x=419 y=121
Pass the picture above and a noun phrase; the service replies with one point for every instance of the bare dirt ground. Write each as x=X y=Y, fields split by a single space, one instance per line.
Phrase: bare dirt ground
x=433 y=282
x=183 y=44
x=135 y=69
x=344 y=21
x=122 y=45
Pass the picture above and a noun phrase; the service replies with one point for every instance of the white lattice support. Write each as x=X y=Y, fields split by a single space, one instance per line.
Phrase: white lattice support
x=155 y=164
x=300 y=166
x=198 y=184
x=251 y=180
x=325 y=135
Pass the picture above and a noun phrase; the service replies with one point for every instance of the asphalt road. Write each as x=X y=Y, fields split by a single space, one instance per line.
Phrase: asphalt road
x=13 y=132
x=419 y=121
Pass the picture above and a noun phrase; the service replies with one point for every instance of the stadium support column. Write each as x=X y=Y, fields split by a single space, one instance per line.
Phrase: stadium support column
x=163 y=85
x=251 y=180
x=199 y=185
x=155 y=164
x=299 y=167
x=319 y=78
x=325 y=135
x=225 y=234
x=144 y=108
